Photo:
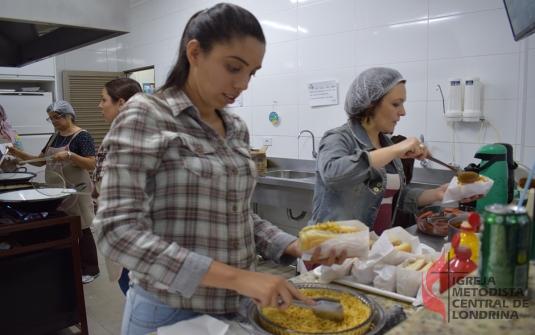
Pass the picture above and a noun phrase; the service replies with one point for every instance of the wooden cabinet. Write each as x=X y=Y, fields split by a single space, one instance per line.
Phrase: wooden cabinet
x=41 y=277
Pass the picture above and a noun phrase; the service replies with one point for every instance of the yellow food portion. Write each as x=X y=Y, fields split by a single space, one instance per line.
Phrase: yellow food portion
x=303 y=320
x=404 y=247
x=395 y=241
x=333 y=227
x=481 y=179
x=416 y=265
x=419 y=264
x=311 y=236
x=399 y=245
x=427 y=267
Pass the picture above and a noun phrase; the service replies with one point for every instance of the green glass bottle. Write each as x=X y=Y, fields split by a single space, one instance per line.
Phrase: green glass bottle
x=493 y=165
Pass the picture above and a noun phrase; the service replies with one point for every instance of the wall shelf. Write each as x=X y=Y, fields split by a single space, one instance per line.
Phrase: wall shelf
x=28 y=79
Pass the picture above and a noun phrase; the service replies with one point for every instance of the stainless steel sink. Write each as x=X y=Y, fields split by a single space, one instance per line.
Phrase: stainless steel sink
x=289 y=174
x=288 y=183
x=425 y=186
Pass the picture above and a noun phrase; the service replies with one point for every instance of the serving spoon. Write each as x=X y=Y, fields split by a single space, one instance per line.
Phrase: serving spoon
x=462 y=176
x=326 y=308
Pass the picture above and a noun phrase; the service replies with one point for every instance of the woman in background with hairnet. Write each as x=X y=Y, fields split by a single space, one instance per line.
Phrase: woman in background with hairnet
x=72 y=153
x=358 y=168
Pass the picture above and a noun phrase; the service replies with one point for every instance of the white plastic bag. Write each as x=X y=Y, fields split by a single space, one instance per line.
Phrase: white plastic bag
x=391 y=255
x=356 y=244
x=383 y=252
x=385 y=277
x=362 y=271
x=334 y=272
x=409 y=281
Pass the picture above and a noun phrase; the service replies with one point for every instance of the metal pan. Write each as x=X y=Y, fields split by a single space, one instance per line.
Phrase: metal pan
x=15 y=177
x=34 y=201
x=16 y=186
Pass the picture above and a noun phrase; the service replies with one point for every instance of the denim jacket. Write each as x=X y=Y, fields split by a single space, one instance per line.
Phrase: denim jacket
x=347 y=186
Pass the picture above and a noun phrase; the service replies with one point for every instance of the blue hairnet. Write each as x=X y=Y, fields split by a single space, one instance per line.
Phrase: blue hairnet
x=371 y=85
x=61 y=107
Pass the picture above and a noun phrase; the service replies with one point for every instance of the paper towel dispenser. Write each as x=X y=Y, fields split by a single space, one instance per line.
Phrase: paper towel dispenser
x=33 y=30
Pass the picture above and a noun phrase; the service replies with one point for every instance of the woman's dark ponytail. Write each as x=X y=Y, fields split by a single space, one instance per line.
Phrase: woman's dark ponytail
x=218 y=24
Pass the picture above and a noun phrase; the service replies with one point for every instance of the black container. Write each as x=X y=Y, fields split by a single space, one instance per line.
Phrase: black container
x=511 y=166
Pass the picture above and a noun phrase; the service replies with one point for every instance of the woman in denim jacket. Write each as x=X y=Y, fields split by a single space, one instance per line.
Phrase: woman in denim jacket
x=359 y=169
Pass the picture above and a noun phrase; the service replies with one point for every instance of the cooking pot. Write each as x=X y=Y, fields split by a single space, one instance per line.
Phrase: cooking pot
x=35 y=201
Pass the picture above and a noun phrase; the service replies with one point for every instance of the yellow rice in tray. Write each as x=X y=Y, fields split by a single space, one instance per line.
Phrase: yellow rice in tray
x=303 y=320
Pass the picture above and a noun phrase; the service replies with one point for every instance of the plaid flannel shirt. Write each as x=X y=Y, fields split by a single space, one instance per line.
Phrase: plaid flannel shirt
x=175 y=196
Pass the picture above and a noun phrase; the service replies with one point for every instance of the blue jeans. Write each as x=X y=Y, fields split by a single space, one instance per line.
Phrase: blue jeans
x=144 y=313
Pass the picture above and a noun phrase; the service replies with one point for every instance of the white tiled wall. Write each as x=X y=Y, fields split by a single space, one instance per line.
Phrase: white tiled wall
x=428 y=41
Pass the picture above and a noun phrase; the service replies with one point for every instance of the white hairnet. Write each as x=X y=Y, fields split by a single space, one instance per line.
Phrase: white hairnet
x=61 y=107
x=371 y=85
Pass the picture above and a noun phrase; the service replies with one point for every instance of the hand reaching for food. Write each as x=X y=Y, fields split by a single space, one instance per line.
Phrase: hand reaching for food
x=329 y=261
x=267 y=294
x=293 y=249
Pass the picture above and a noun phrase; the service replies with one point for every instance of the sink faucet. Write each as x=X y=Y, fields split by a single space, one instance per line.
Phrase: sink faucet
x=314 y=154
x=424 y=162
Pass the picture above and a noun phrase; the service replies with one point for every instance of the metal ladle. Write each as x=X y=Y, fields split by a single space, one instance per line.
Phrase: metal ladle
x=326 y=308
x=463 y=176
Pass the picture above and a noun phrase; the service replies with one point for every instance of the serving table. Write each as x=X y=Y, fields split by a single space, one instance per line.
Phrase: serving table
x=461 y=321
x=461 y=315
x=40 y=276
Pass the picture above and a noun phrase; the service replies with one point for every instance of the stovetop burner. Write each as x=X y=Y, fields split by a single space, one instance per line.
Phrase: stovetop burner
x=22 y=216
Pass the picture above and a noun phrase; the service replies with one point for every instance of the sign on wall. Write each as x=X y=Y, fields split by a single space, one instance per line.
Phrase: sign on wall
x=323 y=93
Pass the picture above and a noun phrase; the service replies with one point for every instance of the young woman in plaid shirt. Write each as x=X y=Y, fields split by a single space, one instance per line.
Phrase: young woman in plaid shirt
x=175 y=199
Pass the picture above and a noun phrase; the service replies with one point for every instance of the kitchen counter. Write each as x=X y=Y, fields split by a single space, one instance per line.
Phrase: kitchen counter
x=425 y=322
x=435 y=242
x=298 y=193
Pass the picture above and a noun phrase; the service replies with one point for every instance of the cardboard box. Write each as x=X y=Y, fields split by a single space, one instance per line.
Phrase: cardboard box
x=259 y=157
